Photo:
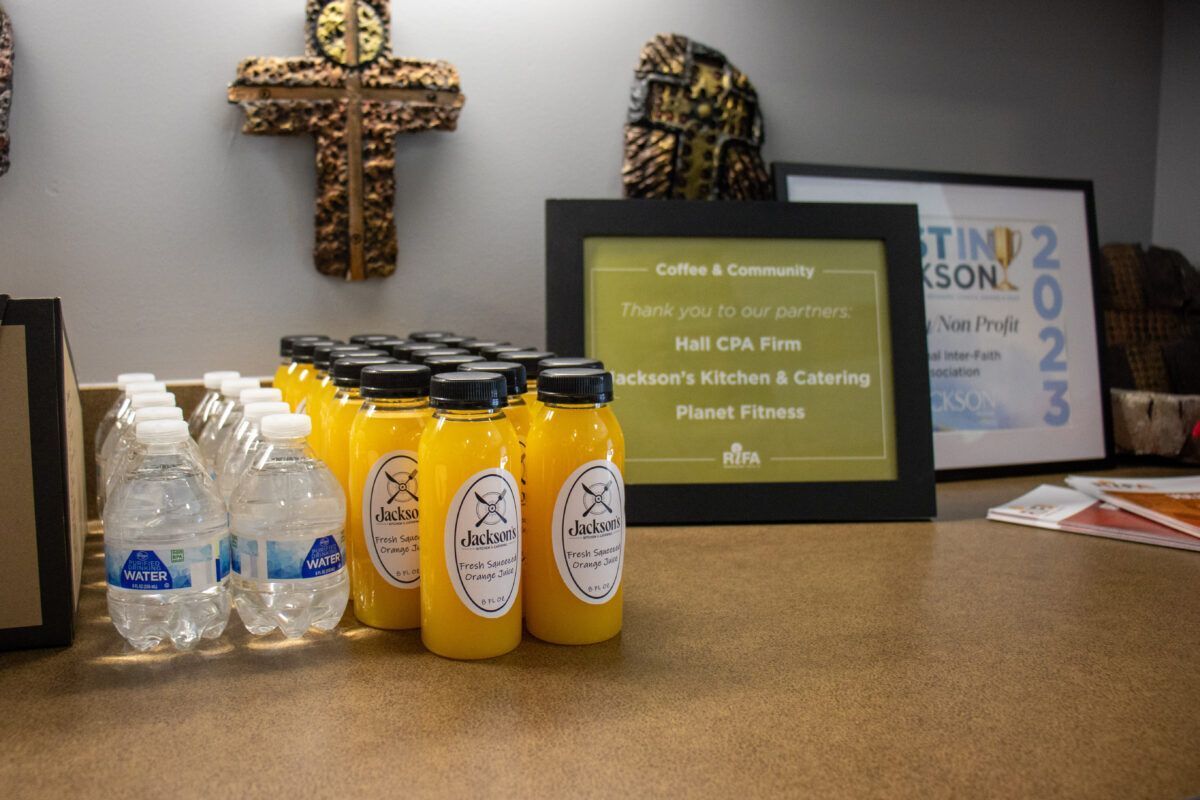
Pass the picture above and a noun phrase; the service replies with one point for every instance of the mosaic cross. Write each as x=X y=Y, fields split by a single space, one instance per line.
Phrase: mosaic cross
x=355 y=98
x=694 y=129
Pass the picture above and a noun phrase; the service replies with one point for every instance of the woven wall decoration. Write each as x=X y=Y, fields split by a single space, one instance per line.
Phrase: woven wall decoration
x=355 y=98
x=6 y=73
x=694 y=129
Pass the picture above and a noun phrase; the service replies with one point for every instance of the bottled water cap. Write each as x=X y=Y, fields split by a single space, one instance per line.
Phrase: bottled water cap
x=213 y=380
x=147 y=413
x=256 y=411
x=146 y=399
x=126 y=378
x=286 y=426
x=162 y=431
x=140 y=387
x=260 y=396
x=232 y=387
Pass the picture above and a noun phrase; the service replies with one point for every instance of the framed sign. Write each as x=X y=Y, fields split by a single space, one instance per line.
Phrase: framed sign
x=1009 y=276
x=769 y=358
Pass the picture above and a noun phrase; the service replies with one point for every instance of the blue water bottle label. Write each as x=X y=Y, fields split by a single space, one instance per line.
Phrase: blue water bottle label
x=168 y=569
x=269 y=559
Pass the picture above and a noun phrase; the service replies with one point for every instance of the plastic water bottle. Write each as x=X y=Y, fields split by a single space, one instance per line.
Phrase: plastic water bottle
x=126 y=448
x=241 y=456
x=233 y=433
x=287 y=516
x=120 y=420
x=208 y=403
x=119 y=405
x=123 y=426
x=210 y=437
x=166 y=544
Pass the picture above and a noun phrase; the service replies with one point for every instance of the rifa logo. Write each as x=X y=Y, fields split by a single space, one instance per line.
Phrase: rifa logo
x=737 y=457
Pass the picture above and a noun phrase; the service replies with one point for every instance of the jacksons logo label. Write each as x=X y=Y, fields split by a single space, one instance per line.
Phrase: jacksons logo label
x=390 y=518
x=483 y=542
x=589 y=531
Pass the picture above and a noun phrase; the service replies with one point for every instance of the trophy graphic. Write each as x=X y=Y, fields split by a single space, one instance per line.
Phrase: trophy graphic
x=1005 y=243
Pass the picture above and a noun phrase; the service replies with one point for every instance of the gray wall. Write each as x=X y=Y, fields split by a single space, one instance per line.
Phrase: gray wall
x=180 y=245
x=1177 y=188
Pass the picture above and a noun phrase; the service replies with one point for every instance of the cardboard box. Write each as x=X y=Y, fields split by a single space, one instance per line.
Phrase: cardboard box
x=43 y=507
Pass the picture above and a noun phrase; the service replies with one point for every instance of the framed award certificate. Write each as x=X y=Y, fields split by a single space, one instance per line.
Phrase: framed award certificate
x=1008 y=269
x=768 y=358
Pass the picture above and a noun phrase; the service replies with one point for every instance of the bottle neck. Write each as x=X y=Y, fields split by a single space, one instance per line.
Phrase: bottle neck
x=573 y=406
x=349 y=392
x=468 y=415
x=396 y=403
x=287 y=448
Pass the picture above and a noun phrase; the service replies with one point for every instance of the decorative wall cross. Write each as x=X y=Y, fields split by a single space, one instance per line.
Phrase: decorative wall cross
x=355 y=97
x=6 y=70
x=694 y=129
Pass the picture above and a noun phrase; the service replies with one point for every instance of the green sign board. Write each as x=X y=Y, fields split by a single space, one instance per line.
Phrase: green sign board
x=742 y=360
x=768 y=359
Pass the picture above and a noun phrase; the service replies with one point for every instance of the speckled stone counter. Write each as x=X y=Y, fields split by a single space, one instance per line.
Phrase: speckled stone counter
x=959 y=658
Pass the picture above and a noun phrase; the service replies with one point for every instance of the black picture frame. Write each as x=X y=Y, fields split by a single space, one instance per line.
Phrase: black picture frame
x=781 y=171
x=911 y=495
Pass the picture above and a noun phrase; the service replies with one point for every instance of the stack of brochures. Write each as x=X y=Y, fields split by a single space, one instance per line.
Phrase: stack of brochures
x=1160 y=511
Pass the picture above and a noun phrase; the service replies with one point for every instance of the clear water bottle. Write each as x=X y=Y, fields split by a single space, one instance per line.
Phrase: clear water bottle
x=208 y=403
x=120 y=404
x=287 y=516
x=166 y=544
x=241 y=457
x=120 y=412
x=210 y=438
x=126 y=448
x=231 y=436
x=124 y=426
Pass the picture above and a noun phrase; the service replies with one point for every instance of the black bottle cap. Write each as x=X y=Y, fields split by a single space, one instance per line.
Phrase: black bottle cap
x=529 y=360
x=429 y=336
x=285 y=342
x=567 y=362
x=575 y=385
x=479 y=344
x=514 y=374
x=421 y=356
x=495 y=351
x=323 y=353
x=395 y=381
x=466 y=391
x=439 y=364
x=302 y=349
x=404 y=351
x=454 y=340
x=371 y=338
x=348 y=371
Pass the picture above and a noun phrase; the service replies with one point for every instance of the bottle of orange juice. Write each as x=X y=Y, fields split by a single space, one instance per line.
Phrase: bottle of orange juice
x=347 y=374
x=529 y=359
x=296 y=395
x=470 y=519
x=385 y=574
x=288 y=364
x=576 y=510
x=321 y=389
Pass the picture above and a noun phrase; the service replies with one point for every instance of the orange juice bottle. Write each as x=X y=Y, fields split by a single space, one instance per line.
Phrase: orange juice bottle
x=470 y=519
x=288 y=365
x=296 y=394
x=530 y=360
x=576 y=525
x=321 y=389
x=516 y=410
x=385 y=570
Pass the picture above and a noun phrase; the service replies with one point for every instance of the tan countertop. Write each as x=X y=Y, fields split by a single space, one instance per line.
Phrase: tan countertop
x=949 y=659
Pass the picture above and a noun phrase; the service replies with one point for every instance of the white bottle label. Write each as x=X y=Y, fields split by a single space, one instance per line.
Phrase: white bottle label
x=588 y=531
x=483 y=542
x=168 y=569
x=389 y=518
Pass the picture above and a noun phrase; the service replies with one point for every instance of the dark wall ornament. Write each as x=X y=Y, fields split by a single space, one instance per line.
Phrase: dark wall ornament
x=355 y=98
x=694 y=129
x=6 y=71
